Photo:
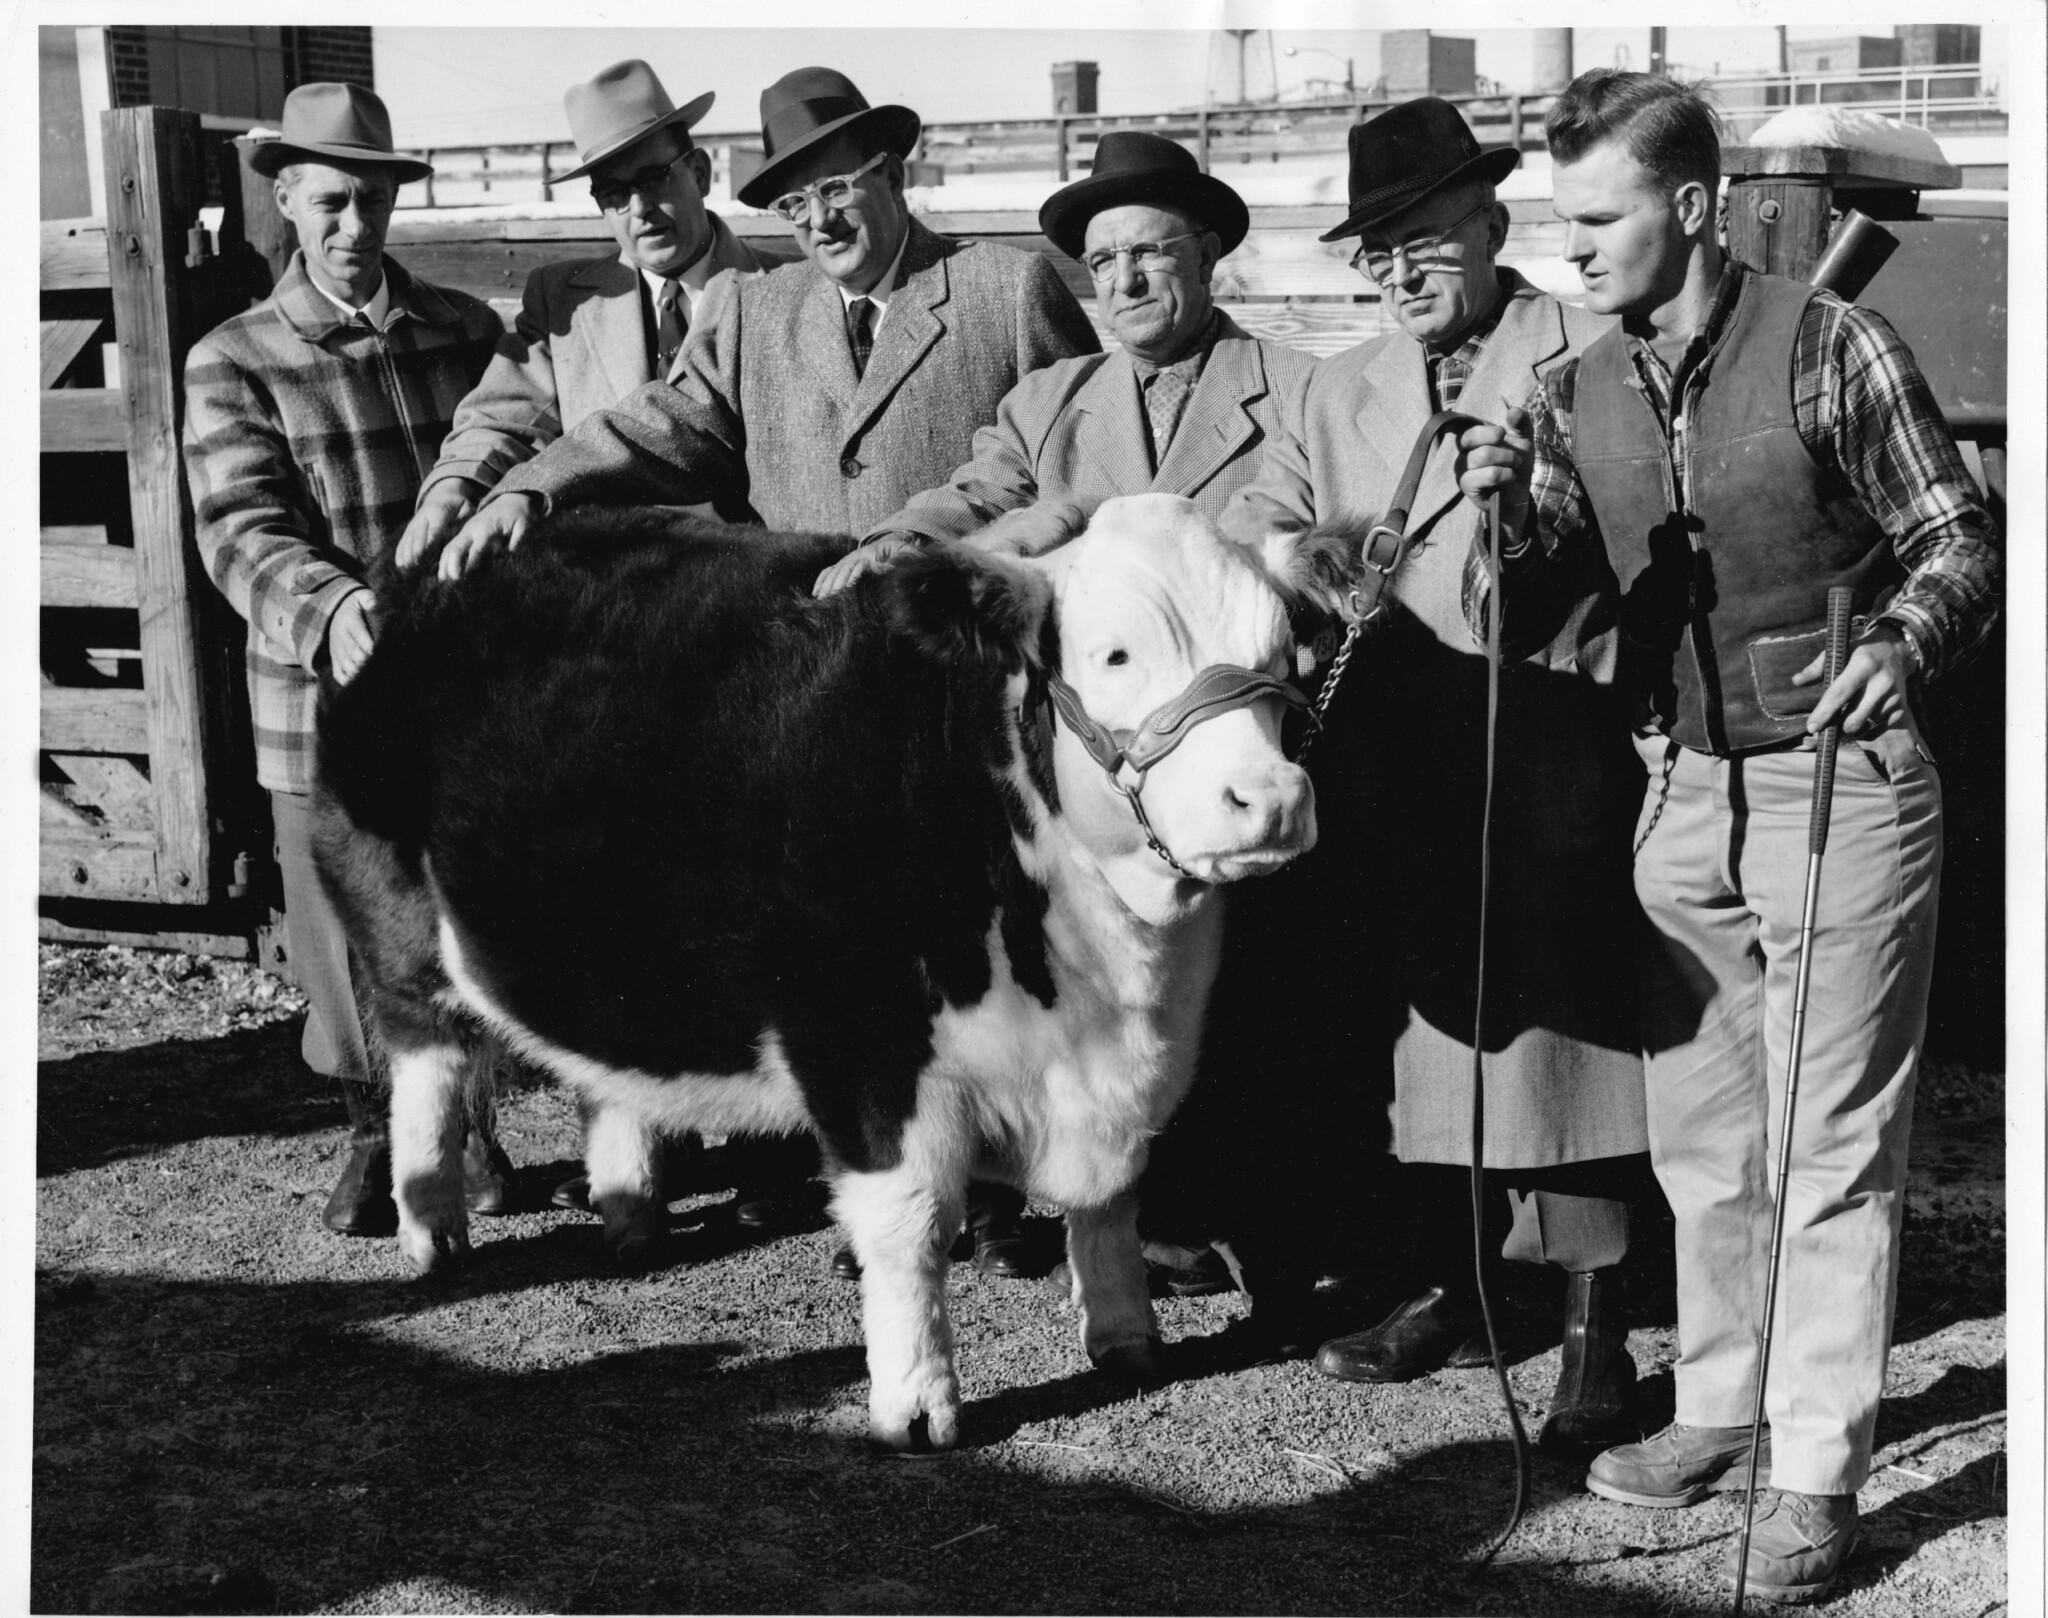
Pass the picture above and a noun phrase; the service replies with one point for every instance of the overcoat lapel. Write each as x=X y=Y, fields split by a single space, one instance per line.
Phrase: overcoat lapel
x=822 y=348
x=1218 y=419
x=913 y=325
x=1113 y=440
x=610 y=325
x=1530 y=332
x=1396 y=404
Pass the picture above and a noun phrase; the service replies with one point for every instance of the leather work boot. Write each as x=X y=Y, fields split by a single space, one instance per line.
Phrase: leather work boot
x=1590 y=1409
x=1416 y=1339
x=1680 y=1466
x=1797 y=1546
x=360 y=1203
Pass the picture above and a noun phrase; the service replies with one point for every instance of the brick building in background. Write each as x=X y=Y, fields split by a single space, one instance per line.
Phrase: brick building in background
x=234 y=76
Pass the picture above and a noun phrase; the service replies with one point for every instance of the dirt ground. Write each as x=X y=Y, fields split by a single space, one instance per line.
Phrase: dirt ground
x=237 y=1412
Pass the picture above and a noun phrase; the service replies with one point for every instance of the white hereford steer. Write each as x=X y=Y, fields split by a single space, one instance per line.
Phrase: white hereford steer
x=727 y=858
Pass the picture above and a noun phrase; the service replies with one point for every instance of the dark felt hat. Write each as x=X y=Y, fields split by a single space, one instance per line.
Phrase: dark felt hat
x=623 y=104
x=1133 y=166
x=338 y=121
x=813 y=104
x=1406 y=153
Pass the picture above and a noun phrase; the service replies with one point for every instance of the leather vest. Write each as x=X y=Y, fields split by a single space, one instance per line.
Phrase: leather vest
x=1724 y=581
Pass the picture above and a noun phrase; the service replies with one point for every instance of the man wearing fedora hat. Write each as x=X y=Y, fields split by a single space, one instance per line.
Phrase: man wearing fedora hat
x=308 y=422
x=1401 y=784
x=590 y=331
x=1184 y=406
x=826 y=393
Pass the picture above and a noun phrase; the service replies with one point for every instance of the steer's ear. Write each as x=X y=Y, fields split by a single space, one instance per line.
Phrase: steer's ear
x=1312 y=569
x=958 y=603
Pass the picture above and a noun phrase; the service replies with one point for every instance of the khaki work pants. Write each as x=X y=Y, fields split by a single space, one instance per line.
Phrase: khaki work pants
x=1721 y=872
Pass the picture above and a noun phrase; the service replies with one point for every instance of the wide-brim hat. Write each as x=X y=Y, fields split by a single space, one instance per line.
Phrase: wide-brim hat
x=1408 y=152
x=343 y=122
x=801 y=109
x=1134 y=166
x=623 y=104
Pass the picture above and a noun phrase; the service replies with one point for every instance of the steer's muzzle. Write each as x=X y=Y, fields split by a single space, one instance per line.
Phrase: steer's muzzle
x=1267 y=820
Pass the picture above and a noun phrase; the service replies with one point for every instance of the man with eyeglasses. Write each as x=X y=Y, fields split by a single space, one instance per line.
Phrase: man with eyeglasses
x=1184 y=406
x=590 y=331
x=1400 y=777
x=826 y=393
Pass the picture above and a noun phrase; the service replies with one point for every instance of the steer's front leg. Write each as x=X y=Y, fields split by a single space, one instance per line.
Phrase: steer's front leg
x=1117 y=1328
x=620 y=1153
x=901 y=1229
x=428 y=1123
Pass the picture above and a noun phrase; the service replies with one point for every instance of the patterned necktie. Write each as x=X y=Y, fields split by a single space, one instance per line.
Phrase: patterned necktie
x=1166 y=399
x=671 y=324
x=860 y=332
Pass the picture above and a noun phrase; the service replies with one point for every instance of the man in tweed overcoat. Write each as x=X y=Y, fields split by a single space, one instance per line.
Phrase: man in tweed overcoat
x=310 y=421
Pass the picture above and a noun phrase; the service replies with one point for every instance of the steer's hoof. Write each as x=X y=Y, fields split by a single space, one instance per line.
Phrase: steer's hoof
x=633 y=1227
x=433 y=1252
x=1141 y=1364
x=923 y=1433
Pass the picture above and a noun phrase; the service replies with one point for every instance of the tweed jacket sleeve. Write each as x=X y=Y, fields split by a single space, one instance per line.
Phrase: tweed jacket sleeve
x=681 y=443
x=260 y=531
x=515 y=411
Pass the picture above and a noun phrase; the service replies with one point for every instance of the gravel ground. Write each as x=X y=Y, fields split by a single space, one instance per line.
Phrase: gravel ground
x=235 y=1412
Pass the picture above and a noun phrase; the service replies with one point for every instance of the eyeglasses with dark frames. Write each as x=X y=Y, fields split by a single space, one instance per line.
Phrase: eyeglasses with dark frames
x=834 y=191
x=612 y=195
x=1423 y=253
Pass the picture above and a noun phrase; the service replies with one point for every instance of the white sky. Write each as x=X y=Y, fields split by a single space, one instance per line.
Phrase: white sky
x=449 y=86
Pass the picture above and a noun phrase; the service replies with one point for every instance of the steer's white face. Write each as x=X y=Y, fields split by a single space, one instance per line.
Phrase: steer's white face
x=1148 y=597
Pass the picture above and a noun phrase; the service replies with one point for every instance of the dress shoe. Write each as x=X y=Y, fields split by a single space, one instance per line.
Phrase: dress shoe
x=1416 y=1339
x=360 y=1203
x=755 y=1214
x=573 y=1194
x=999 y=1248
x=1589 y=1411
x=1797 y=1546
x=845 y=1266
x=1203 y=1275
x=486 y=1176
x=1680 y=1466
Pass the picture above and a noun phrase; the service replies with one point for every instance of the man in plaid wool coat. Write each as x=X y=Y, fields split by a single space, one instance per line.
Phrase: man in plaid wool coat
x=310 y=422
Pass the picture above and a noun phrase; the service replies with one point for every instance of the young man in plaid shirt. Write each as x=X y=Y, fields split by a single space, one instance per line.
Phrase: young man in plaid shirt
x=1739 y=445
x=310 y=422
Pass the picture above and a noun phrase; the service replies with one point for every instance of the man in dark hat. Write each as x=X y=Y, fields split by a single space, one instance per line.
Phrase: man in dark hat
x=1184 y=406
x=1400 y=785
x=825 y=393
x=822 y=395
x=304 y=421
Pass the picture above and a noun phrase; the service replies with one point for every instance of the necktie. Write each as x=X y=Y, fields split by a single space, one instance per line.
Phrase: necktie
x=860 y=332
x=670 y=325
x=1166 y=399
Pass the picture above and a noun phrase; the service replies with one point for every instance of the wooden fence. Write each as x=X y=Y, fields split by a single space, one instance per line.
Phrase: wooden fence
x=146 y=781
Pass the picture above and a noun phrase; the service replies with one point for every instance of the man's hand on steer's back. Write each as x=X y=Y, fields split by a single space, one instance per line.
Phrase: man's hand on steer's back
x=497 y=526
x=1497 y=460
x=876 y=553
x=351 y=633
x=445 y=508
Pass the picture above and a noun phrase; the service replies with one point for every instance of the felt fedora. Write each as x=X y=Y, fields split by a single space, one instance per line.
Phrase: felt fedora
x=811 y=105
x=343 y=122
x=1406 y=153
x=623 y=104
x=1133 y=166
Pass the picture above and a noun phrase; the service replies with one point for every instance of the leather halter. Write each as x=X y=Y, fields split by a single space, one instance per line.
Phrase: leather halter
x=1125 y=755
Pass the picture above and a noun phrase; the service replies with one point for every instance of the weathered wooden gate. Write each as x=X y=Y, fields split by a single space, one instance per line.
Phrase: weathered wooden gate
x=150 y=825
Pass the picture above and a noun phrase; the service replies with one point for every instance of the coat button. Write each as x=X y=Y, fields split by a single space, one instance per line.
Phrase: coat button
x=850 y=467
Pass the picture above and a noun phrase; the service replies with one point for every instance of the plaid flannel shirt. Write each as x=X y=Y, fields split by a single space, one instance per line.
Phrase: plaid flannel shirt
x=1862 y=409
x=307 y=437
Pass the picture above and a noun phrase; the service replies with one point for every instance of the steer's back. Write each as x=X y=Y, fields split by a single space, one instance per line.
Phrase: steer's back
x=664 y=800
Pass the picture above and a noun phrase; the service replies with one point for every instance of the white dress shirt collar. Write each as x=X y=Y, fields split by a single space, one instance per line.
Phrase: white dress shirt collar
x=378 y=308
